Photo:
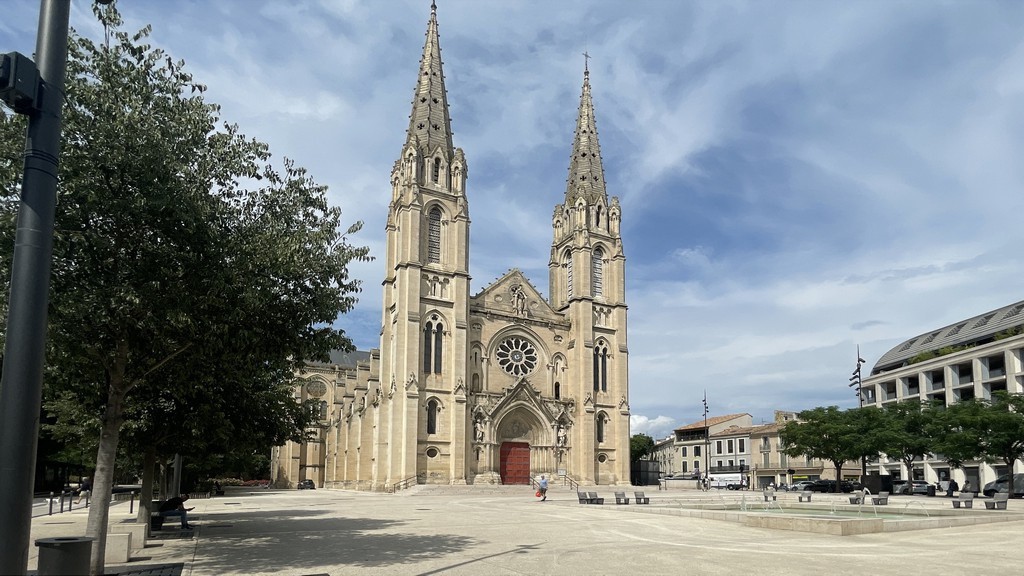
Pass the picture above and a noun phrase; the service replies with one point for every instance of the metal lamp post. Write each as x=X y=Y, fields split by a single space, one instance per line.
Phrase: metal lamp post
x=855 y=382
x=707 y=444
x=35 y=89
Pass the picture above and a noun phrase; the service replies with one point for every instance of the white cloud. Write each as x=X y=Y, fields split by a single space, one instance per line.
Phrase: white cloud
x=658 y=427
x=795 y=179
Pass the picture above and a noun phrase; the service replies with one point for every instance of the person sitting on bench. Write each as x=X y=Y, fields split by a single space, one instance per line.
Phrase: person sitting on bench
x=176 y=507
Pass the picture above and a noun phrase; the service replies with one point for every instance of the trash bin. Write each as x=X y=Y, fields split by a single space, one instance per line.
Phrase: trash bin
x=931 y=489
x=64 y=555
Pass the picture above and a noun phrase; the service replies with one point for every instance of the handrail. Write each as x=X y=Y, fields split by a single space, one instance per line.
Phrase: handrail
x=403 y=484
x=572 y=483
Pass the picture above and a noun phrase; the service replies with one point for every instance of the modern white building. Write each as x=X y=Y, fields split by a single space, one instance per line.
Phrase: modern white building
x=969 y=359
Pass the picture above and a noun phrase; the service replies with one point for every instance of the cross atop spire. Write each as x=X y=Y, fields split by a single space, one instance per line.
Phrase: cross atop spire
x=586 y=62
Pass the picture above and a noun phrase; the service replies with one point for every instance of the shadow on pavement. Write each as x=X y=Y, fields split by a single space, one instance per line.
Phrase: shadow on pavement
x=248 y=543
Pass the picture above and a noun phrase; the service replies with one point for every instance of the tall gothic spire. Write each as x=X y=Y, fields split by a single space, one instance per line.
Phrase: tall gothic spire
x=586 y=174
x=429 y=123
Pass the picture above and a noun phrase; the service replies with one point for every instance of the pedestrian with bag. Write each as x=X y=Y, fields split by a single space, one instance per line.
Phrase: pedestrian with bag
x=542 y=488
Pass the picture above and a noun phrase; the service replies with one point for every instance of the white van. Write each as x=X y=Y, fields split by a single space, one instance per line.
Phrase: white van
x=1002 y=484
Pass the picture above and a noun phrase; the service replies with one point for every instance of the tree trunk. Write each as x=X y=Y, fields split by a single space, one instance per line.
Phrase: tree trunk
x=103 y=478
x=839 y=477
x=146 y=496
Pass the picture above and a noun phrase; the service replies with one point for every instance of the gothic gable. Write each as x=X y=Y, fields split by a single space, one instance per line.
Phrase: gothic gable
x=513 y=295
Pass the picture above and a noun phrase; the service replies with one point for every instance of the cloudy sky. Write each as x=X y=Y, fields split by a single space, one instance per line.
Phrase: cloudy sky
x=797 y=178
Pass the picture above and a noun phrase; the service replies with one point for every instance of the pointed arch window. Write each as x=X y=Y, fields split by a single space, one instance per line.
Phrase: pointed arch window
x=437 y=170
x=600 y=368
x=600 y=428
x=567 y=262
x=432 y=410
x=597 y=217
x=428 y=343
x=434 y=236
x=597 y=271
x=558 y=391
x=433 y=331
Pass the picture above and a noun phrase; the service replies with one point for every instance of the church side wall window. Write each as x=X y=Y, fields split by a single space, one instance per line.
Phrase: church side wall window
x=434 y=236
x=597 y=271
x=432 y=410
x=600 y=428
x=558 y=391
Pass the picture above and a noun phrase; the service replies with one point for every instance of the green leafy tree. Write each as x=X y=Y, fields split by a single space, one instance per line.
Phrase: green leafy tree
x=179 y=248
x=829 y=434
x=903 y=432
x=640 y=445
x=1000 y=428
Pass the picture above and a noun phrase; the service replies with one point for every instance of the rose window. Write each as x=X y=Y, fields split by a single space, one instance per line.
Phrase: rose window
x=517 y=356
x=316 y=388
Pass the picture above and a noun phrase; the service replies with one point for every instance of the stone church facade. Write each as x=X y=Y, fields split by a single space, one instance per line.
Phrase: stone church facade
x=496 y=387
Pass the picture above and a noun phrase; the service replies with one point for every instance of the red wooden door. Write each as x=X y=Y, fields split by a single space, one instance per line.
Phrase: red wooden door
x=515 y=463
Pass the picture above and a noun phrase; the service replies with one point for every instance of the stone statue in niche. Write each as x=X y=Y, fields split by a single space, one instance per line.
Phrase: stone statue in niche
x=478 y=430
x=563 y=436
x=519 y=300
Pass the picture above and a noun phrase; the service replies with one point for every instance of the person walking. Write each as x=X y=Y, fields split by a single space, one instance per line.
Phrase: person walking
x=84 y=490
x=542 y=487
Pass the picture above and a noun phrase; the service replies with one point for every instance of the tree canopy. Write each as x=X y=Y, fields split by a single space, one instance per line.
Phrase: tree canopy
x=190 y=276
x=640 y=445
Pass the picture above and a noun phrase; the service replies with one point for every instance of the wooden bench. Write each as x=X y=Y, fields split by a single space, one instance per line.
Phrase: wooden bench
x=998 y=501
x=881 y=500
x=621 y=498
x=965 y=498
x=594 y=498
x=639 y=498
x=805 y=495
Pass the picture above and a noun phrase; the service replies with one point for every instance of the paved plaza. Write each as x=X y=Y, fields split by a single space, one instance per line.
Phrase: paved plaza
x=507 y=531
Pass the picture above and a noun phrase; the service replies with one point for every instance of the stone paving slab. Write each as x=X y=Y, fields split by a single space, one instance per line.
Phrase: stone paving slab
x=304 y=533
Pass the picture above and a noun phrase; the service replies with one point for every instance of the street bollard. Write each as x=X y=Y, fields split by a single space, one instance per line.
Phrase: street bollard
x=64 y=555
x=51 y=504
x=131 y=504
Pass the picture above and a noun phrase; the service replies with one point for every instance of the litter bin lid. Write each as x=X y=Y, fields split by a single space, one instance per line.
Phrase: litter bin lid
x=59 y=540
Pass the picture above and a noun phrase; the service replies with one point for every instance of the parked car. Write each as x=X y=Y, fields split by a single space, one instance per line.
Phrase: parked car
x=307 y=485
x=909 y=487
x=801 y=486
x=830 y=486
x=1002 y=484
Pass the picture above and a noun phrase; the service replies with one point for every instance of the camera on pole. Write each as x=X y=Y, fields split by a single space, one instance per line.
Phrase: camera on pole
x=19 y=83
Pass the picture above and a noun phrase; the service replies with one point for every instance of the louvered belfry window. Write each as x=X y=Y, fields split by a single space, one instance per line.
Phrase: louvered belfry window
x=434 y=236
x=597 y=271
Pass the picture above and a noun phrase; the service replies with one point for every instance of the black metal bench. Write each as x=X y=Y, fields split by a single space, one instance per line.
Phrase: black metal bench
x=881 y=500
x=639 y=498
x=594 y=498
x=621 y=498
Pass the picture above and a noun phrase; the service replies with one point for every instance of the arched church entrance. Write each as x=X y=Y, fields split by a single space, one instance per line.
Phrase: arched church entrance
x=515 y=463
